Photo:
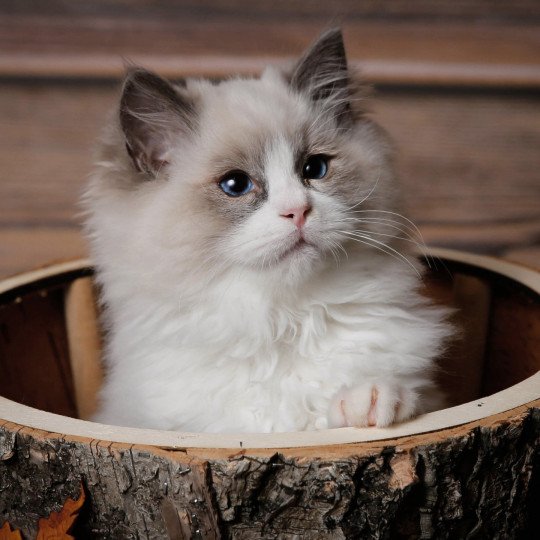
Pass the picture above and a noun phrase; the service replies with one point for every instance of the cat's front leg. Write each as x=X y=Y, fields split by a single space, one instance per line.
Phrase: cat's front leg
x=373 y=403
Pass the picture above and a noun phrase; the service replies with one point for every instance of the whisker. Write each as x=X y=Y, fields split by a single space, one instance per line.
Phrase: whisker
x=397 y=237
x=402 y=228
x=408 y=223
x=335 y=252
x=382 y=246
x=335 y=256
x=412 y=224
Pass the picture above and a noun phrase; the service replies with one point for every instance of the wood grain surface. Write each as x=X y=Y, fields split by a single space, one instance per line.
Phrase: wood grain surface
x=426 y=9
x=388 y=51
x=420 y=42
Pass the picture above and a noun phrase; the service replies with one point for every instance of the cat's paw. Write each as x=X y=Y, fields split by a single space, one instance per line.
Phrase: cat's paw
x=372 y=404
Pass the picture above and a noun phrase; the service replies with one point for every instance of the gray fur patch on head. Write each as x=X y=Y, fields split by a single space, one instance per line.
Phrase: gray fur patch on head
x=234 y=209
x=249 y=160
x=152 y=114
x=323 y=75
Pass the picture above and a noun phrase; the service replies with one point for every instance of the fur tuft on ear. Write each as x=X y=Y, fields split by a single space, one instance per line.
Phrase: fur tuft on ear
x=153 y=114
x=322 y=73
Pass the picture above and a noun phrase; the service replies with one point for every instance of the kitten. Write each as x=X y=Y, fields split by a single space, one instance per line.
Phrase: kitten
x=246 y=238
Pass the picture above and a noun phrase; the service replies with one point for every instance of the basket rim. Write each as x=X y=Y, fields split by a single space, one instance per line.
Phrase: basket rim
x=510 y=398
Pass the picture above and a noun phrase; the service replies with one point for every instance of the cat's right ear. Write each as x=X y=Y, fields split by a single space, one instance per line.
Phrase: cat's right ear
x=153 y=115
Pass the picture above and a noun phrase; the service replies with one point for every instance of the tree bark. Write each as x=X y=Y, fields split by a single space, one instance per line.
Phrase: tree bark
x=480 y=480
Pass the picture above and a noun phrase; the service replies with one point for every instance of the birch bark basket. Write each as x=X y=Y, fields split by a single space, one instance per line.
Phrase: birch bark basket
x=469 y=471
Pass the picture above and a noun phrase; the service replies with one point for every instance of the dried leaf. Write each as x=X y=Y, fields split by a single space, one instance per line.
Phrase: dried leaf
x=7 y=534
x=58 y=524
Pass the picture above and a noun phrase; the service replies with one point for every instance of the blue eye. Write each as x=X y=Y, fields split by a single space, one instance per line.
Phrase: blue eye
x=236 y=183
x=315 y=167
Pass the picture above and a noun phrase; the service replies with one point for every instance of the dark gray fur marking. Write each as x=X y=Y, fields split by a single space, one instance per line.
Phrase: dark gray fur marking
x=151 y=112
x=322 y=73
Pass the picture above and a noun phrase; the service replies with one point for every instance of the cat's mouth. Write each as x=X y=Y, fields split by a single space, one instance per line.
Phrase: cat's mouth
x=300 y=245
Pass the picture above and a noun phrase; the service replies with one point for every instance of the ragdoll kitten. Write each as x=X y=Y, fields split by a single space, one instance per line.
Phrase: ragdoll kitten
x=246 y=240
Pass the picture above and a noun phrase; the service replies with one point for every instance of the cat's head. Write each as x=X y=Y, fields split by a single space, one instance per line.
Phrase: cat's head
x=269 y=173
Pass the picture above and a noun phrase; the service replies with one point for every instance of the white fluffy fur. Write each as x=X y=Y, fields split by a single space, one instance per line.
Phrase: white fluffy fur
x=210 y=328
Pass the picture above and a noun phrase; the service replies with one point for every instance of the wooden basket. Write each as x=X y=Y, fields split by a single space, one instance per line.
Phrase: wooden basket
x=472 y=469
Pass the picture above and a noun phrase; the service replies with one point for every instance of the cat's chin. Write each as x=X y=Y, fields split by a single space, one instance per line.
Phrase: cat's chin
x=296 y=263
x=298 y=250
x=287 y=266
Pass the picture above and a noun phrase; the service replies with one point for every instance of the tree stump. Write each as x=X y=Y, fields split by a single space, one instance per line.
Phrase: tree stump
x=469 y=471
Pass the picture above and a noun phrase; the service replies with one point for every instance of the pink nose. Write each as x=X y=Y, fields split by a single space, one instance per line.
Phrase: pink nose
x=298 y=215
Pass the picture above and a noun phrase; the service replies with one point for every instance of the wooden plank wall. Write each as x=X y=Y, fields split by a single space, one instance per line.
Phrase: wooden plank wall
x=457 y=85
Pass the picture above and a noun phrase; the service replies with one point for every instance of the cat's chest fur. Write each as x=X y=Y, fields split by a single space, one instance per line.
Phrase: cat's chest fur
x=244 y=359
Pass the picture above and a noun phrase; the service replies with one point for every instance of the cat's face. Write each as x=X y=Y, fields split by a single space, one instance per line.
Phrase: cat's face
x=266 y=173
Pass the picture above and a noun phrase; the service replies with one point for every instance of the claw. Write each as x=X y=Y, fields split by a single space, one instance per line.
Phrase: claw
x=372 y=418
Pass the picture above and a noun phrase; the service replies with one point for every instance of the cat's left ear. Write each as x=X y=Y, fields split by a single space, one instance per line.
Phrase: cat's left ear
x=322 y=73
x=153 y=115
